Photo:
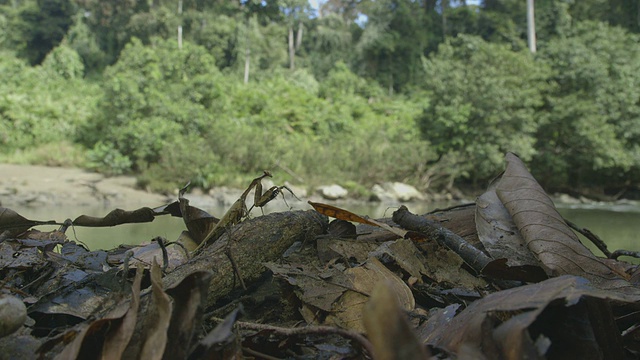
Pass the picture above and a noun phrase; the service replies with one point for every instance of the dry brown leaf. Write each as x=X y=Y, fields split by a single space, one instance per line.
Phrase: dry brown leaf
x=388 y=329
x=347 y=310
x=548 y=236
x=158 y=319
x=338 y=213
x=118 y=336
x=498 y=233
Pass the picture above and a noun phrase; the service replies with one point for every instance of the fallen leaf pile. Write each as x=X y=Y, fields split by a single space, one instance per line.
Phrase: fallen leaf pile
x=504 y=278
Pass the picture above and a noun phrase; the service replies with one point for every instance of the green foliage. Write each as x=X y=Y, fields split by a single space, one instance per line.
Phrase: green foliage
x=43 y=25
x=105 y=158
x=64 y=62
x=485 y=99
x=84 y=42
x=594 y=113
x=369 y=101
x=152 y=95
x=63 y=153
x=39 y=106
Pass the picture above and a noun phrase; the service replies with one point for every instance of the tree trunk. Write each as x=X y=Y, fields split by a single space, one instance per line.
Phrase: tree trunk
x=299 y=37
x=292 y=50
x=247 y=59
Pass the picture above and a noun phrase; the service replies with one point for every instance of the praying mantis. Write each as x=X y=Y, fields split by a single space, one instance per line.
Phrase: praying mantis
x=238 y=210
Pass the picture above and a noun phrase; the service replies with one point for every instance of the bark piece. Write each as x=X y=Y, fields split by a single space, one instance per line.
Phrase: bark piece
x=251 y=243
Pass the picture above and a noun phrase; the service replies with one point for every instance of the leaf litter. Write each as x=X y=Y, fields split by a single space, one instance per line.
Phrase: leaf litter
x=506 y=278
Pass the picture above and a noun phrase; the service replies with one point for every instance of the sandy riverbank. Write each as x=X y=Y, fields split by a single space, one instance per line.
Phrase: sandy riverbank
x=31 y=185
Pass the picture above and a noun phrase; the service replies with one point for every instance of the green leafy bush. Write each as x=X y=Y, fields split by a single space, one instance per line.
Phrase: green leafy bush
x=593 y=127
x=484 y=101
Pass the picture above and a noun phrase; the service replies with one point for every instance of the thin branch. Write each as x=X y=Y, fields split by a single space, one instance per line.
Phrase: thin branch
x=307 y=330
x=618 y=253
x=432 y=230
x=592 y=237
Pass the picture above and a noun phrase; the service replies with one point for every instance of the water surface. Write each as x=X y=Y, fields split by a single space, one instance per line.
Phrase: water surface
x=617 y=224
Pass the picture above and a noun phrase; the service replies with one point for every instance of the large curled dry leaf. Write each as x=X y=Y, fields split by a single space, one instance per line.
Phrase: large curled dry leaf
x=497 y=232
x=502 y=240
x=548 y=236
x=565 y=317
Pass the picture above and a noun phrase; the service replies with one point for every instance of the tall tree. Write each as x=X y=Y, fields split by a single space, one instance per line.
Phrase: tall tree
x=393 y=42
x=43 y=26
x=296 y=14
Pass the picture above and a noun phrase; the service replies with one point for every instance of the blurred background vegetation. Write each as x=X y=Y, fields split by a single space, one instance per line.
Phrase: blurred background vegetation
x=356 y=92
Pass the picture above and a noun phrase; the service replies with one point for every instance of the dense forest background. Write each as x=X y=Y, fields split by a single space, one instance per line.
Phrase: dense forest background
x=428 y=92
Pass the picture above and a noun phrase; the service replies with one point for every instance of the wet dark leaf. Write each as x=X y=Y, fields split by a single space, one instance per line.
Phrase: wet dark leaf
x=189 y=300
x=222 y=335
x=13 y=224
x=111 y=333
x=341 y=229
x=117 y=217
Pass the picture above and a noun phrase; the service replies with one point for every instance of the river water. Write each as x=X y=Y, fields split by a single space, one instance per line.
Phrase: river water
x=617 y=224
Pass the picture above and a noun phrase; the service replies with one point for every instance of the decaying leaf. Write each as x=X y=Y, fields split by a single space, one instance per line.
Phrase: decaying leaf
x=404 y=254
x=158 y=319
x=553 y=317
x=547 y=235
x=316 y=288
x=356 y=250
x=221 y=342
x=111 y=333
x=341 y=295
x=388 y=329
x=189 y=300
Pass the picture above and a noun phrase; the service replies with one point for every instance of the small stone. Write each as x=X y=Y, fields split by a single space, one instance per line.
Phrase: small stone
x=333 y=192
x=13 y=314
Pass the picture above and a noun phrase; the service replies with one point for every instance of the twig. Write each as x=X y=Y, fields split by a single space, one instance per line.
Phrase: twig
x=258 y=354
x=431 y=229
x=307 y=330
x=453 y=207
x=591 y=236
x=618 y=253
